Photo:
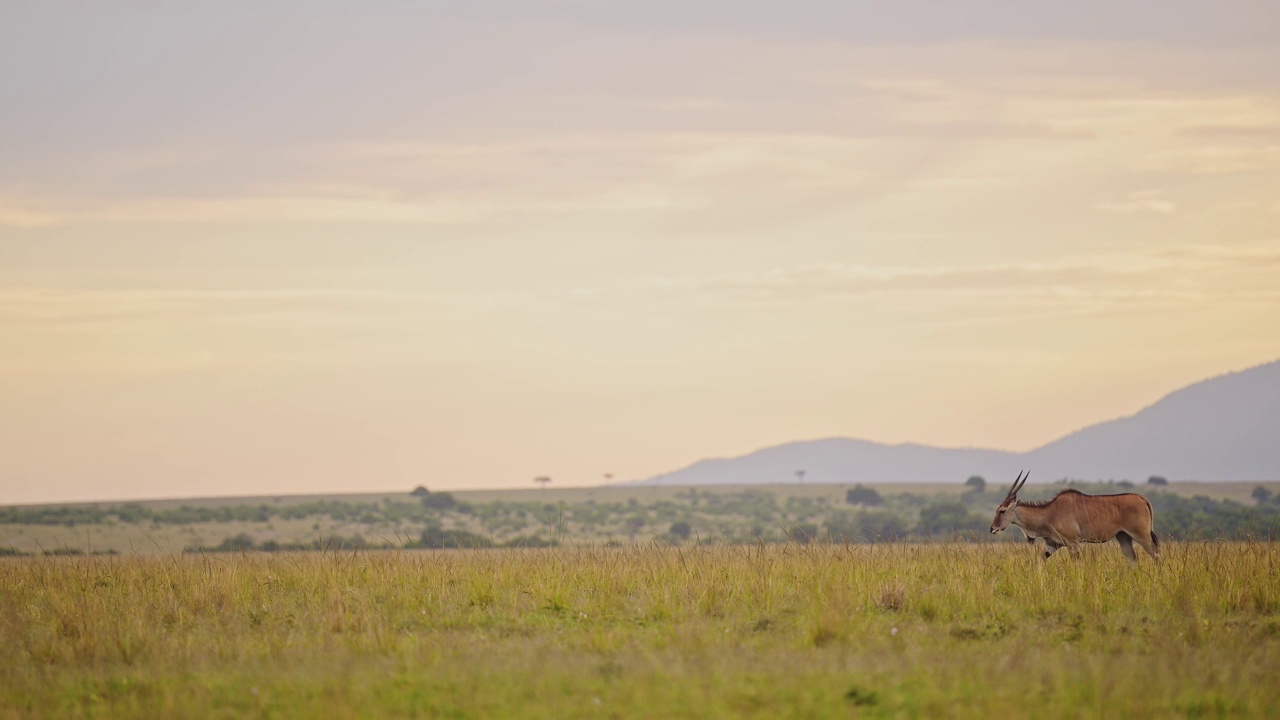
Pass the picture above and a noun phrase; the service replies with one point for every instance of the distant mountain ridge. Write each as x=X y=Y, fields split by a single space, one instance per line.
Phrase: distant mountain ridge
x=1221 y=429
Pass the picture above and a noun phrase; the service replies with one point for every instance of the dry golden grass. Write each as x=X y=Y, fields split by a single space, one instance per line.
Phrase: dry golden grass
x=650 y=631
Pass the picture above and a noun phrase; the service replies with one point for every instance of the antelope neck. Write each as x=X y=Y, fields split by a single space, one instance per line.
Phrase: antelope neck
x=1027 y=516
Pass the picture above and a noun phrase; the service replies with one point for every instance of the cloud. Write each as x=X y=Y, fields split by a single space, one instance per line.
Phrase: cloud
x=1213 y=159
x=1141 y=201
x=59 y=308
x=12 y=215
x=1179 y=277
x=1260 y=131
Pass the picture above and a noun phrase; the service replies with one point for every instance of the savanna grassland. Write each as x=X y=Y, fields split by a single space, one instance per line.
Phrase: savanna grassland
x=619 y=515
x=646 y=631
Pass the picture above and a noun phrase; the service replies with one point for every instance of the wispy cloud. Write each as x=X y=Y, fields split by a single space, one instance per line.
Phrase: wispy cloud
x=1185 y=274
x=1263 y=131
x=57 y=308
x=1213 y=159
x=20 y=217
x=1176 y=277
x=685 y=132
x=1141 y=201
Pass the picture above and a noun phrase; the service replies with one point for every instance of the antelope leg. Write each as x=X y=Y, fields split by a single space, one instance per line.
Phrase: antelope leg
x=1126 y=545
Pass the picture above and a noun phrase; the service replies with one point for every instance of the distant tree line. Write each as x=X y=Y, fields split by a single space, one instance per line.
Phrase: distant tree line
x=57 y=551
x=386 y=511
x=438 y=520
x=432 y=538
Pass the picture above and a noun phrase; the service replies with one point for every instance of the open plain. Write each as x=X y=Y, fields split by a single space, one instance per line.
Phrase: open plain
x=650 y=630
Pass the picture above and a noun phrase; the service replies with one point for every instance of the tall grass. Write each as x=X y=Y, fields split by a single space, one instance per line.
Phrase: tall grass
x=650 y=631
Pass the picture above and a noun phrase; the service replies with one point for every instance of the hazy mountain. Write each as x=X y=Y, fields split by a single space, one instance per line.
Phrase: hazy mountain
x=1224 y=428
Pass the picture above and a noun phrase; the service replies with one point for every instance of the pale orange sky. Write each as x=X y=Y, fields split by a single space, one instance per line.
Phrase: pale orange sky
x=345 y=247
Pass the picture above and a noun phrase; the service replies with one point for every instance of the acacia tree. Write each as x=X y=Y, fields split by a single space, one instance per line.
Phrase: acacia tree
x=977 y=482
x=542 y=481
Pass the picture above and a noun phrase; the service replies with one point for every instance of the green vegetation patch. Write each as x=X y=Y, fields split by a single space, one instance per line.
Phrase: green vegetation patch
x=742 y=516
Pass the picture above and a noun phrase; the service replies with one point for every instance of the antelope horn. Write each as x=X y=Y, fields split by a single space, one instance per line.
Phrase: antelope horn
x=1017 y=485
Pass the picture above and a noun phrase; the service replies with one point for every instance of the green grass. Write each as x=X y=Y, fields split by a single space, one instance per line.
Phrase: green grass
x=648 y=631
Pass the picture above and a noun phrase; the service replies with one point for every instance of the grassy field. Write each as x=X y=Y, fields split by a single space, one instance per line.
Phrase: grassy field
x=617 y=513
x=950 y=630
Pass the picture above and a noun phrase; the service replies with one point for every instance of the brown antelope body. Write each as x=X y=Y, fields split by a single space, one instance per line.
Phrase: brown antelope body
x=1073 y=517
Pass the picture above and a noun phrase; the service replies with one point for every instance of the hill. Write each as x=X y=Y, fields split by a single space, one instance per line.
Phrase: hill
x=1223 y=428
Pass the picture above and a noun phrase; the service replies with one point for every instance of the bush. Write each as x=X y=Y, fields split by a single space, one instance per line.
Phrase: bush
x=237 y=543
x=879 y=526
x=866 y=526
x=438 y=501
x=434 y=537
x=859 y=495
x=948 y=519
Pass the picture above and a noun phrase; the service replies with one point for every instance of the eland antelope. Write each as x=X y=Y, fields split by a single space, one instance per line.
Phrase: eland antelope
x=1073 y=517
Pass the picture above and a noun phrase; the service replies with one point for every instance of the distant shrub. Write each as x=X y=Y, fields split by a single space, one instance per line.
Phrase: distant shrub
x=867 y=526
x=877 y=526
x=948 y=519
x=1157 y=480
x=438 y=501
x=859 y=495
x=434 y=537
x=236 y=543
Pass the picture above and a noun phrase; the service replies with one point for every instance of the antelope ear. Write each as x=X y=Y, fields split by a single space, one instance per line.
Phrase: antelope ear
x=1013 y=503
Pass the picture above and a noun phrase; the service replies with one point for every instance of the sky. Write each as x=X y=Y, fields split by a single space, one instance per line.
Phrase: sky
x=304 y=247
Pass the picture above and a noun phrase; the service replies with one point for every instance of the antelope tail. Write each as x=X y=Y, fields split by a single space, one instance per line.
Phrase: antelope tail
x=1154 y=540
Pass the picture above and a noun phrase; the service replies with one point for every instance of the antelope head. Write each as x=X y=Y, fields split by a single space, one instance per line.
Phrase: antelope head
x=1004 y=513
